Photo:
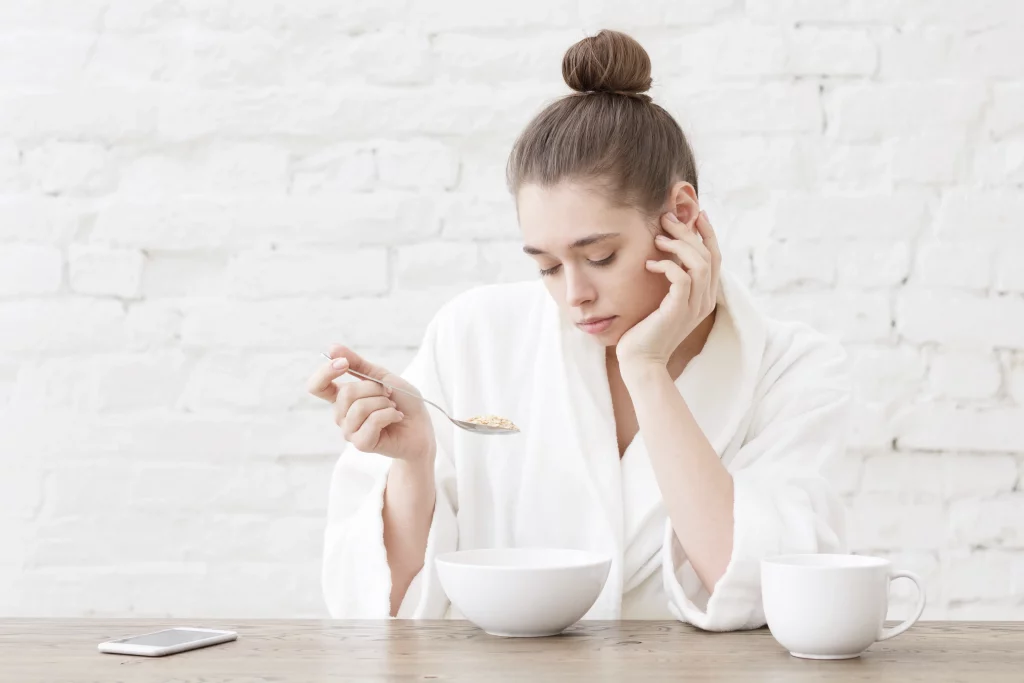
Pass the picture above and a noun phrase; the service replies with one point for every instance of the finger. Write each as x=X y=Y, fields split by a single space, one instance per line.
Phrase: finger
x=351 y=421
x=321 y=383
x=695 y=264
x=707 y=234
x=368 y=435
x=350 y=392
x=357 y=362
x=681 y=282
x=671 y=225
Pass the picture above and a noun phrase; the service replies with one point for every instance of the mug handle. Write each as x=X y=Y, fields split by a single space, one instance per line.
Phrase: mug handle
x=887 y=633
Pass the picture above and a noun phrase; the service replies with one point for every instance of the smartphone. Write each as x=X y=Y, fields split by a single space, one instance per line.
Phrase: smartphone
x=167 y=642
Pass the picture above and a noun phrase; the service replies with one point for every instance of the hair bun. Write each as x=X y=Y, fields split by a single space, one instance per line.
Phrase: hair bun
x=608 y=62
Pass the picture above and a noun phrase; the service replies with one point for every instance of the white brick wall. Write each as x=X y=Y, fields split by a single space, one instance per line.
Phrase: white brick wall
x=197 y=197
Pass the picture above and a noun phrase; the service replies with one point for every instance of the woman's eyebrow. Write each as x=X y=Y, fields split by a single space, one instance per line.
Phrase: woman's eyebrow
x=583 y=242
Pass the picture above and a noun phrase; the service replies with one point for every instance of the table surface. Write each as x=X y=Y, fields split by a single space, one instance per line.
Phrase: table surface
x=304 y=650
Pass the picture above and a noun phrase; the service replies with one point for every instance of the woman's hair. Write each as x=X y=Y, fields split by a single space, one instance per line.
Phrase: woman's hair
x=608 y=132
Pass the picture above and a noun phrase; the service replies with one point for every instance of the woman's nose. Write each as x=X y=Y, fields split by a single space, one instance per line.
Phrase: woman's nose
x=578 y=289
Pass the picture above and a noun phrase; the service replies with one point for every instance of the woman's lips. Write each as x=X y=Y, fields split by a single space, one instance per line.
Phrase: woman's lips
x=597 y=326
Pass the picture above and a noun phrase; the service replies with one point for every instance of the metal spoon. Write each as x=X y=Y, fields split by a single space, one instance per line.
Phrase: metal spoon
x=462 y=424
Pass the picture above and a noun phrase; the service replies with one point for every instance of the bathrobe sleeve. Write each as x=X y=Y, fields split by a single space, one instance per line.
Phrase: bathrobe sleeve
x=782 y=500
x=356 y=576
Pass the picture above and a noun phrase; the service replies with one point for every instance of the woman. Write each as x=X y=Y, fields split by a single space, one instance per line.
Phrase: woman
x=665 y=421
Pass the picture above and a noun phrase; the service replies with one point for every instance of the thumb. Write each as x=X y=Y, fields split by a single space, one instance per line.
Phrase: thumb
x=358 y=363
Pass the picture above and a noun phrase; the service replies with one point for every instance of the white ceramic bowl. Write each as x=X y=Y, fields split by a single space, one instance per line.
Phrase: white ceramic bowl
x=523 y=591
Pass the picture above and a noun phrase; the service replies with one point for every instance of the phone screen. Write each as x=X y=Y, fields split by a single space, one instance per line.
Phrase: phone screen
x=169 y=637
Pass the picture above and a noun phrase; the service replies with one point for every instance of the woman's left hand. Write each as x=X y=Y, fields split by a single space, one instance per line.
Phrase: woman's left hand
x=691 y=296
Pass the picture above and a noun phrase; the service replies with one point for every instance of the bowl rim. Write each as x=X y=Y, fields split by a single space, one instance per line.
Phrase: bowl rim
x=588 y=559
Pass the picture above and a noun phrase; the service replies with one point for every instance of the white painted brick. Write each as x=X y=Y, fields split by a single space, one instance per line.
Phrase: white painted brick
x=995 y=523
x=879 y=522
x=729 y=163
x=419 y=164
x=597 y=14
x=93 y=113
x=436 y=264
x=936 y=426
x=466 y=14
x=846 y=168
x=74 y=168
x=487 y=58
x=739 y=262
x=728 y=50
x=237 y=381
x=824 y=11
x=960 y=319
x=21 y=491
x=53 y=14
x=38 y=220
x=844 y=472
x=853 y=317
x=1004 y=114
x=30 y=269
x=30 y=59
x=263 y=274
x=1016 y=380
x=11 y=181
x=931 y=158
x=960 y=263
x=202 y=223
x=789 y=265
x=309 y=16
x=833 y=52
x=871 y=425
x=119 y=59
x=103 y=271
x=903 y=593
x=394 y=57
x=339 y=168
x=872 y=265
x=999 y=162
x=767 y=108
x=915 y=53
x=885 y=373
x=222 y=60
x=963 y=375
x=466 y=216
x=180 y=274
x=995 y=213
x=978 y=474
x=850 y=215
x=910 y=108
x=506 y=262
x=994 y=54
x=985 y=575
x=974 y=610
x=44 y=325
x=250 y=168
x=152 y=324
x=904 y=476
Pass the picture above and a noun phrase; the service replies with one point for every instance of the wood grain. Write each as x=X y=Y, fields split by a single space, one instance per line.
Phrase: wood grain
x=65 y=650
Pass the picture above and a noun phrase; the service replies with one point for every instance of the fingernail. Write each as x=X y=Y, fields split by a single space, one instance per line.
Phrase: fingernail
x=394 y=405
x=651 y=263
x=401 y=414
x=339 y=364
x=661 y=238
x=672 y=217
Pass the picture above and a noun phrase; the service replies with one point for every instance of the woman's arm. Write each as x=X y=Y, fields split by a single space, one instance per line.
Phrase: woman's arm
x=409 y=498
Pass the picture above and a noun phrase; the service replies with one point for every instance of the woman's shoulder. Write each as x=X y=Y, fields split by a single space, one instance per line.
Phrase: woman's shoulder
x=797 y=354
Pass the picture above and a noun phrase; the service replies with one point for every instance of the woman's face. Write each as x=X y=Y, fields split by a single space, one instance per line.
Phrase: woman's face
x=591 y=255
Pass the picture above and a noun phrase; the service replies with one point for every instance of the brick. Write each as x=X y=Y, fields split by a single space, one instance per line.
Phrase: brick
x=53 y=14
x=103 y=271
x=999 y=162
x=996 y=523
x=465 y=14
x=253 y=58
x=73 y=168
x=726 y=50
x=1004 y=113
x=309 y=16
x=844 y=472
x=885 y=373
x=205 y=223
x=44 y=325
x=846 y=168
x=851 y=110
x=436 y=264
x=824 y=11
x=903 y=593
x=787 y=265
x=880 y=523
x=152 y=325
x=904 y=476
x=930 y=158
x=994 y=54
x=872 y=265
x=730 y=163
x=506 y=262
x=121 y=60
x=42 y=60
x=767 y=108
x=30 y=269
x=850 y=215
x=465 y=216
x=246 y=168
x=960 y=319
x=263 y=274
x=11 y=180
x=95 y=113
x=963 y=375
x=490 y=58
x=419 y=164
x=657 y=14
x=854 y=317
x=833 y=52
x=21 y=491
x=985 y=213
x=393 y=57
x=238 y=381
x=915 y=53
x=960 y=264
x=338 y=168
x=985 y=575
x=1016 y=381
x=949 y=427
x=978 y=475
x=184 y=274
x=974 y=610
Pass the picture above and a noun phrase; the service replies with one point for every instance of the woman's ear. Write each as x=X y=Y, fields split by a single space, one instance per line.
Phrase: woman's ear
x=683 y=198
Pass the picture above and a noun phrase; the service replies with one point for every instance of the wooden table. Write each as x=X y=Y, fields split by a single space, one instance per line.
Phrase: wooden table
x=65 y=650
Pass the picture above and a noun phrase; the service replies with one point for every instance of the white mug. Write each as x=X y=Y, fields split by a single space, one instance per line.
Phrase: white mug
x=831 y=606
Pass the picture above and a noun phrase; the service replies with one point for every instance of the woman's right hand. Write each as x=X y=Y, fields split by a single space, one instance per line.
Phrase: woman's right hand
x=373 y=421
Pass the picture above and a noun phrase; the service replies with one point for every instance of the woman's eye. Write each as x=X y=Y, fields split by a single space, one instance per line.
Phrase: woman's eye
x=550 y=271
x=604 y=261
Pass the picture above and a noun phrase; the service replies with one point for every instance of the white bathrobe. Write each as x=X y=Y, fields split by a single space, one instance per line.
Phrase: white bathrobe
x=771 y=397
